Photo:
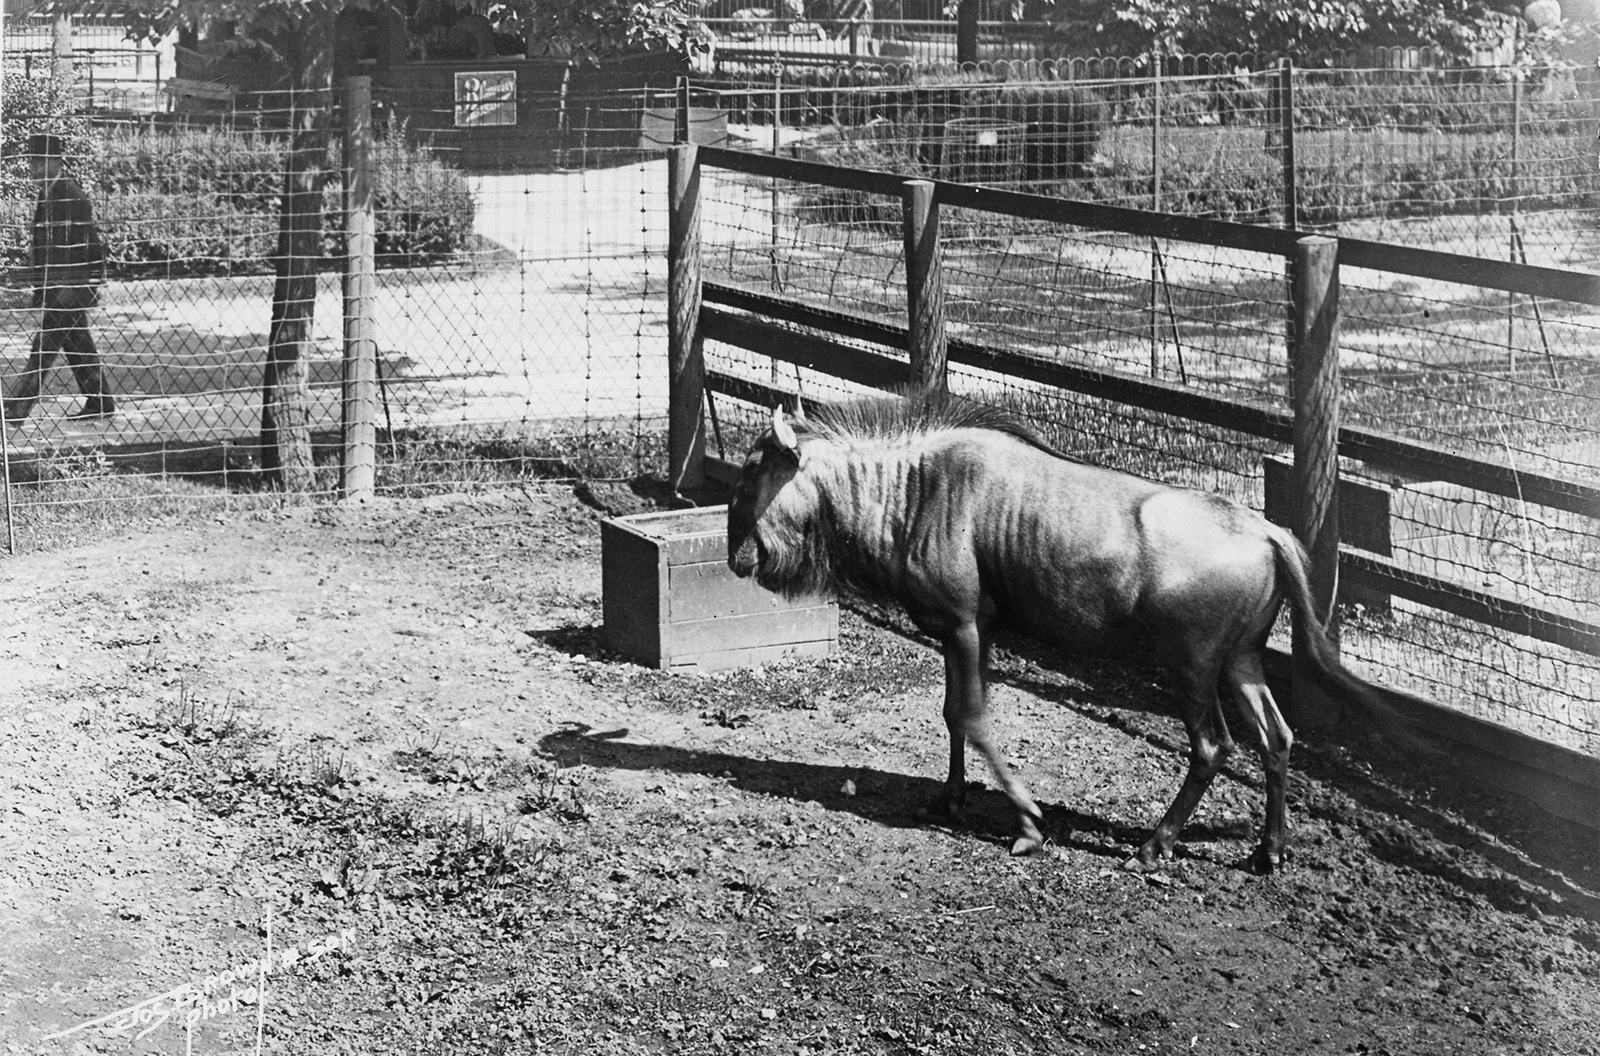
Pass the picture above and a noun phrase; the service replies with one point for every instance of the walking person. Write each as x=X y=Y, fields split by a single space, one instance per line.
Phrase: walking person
x=68 y=270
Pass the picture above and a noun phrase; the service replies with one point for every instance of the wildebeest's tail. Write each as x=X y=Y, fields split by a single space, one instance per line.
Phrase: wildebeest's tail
x=1311 y=637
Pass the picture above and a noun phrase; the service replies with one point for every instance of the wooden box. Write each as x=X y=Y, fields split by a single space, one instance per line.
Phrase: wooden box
x=671 y=601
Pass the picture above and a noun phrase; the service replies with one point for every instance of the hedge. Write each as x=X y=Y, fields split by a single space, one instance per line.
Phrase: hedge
x=203 y=201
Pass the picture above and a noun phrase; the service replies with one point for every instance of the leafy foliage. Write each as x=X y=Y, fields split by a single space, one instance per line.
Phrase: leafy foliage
x=591 y=29
x=199 y=201
x=32 y=105
x=1310 y=28
x=582 y=29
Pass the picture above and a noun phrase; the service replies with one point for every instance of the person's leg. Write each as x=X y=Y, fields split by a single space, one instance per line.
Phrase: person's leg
x=46 y=343
x=78 y=344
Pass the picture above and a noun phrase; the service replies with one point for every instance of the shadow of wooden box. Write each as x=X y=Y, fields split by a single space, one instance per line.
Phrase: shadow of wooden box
x=671 y=601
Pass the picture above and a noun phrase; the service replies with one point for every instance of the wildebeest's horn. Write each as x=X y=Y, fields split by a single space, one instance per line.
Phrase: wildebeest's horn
x=782 y=430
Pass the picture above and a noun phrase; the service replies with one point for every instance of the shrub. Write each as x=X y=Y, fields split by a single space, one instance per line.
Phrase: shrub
x=39 y=105
x=1063 y=125
x=202 y=200
x=884 y=146
x=191 y=233
x=424 y=208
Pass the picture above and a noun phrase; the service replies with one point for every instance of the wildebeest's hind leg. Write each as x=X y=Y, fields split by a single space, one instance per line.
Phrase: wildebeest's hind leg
x=1274 y=739
x=966 y=715
x=1209 y=747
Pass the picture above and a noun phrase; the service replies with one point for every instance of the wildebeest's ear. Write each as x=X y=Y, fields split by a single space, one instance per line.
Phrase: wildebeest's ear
x=782 y=431
x=799 y=409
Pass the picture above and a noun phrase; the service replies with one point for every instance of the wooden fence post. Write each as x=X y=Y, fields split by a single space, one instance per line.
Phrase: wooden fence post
x=61 y=67
x=1156 y=60
x=924 y=286
x=967 y=14
x=359 y=396
x=686 y=428
x=1314 y=371
x=682 y=129
x=1291 y=191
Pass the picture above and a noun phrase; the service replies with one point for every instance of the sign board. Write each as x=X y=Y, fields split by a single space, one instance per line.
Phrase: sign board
x=708 y=126
x=486 y=97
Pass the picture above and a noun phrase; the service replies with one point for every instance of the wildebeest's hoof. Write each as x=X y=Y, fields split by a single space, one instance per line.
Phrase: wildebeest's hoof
x=1263 y=862
x=939 y=809
x=1148 y=858
x=1025 y=845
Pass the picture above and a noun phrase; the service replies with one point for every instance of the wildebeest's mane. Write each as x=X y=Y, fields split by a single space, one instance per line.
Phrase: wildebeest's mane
x=915 y=414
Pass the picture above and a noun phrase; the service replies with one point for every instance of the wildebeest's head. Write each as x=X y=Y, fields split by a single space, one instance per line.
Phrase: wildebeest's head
x=771 y=517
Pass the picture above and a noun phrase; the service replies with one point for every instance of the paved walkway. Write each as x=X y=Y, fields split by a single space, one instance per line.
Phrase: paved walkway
x=559 y=315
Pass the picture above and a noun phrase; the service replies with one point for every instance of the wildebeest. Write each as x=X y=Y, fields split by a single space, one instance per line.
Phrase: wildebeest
x=968 y=519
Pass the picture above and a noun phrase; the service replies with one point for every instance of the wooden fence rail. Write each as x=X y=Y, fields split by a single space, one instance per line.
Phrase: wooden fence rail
x=918 y=352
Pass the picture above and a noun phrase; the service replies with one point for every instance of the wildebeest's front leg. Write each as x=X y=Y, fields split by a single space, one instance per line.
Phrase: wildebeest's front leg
x=966 y=714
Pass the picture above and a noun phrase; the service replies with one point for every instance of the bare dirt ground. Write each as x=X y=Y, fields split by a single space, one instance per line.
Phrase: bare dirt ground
x=389 y=740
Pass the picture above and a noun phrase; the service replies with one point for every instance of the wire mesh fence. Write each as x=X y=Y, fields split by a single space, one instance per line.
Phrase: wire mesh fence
x=1428 y=361
x=1494 y=161
x=522 y=273
x=109 y=71
x=518 y=295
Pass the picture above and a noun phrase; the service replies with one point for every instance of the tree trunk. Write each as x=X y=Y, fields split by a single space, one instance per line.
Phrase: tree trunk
x=285 y=387
x=61 y=51
x=967 y=12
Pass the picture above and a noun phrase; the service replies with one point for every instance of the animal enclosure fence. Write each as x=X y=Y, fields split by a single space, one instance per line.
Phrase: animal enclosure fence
x=521 y=286
x=1465 y=555
x=1496 y=161
x=513 y=306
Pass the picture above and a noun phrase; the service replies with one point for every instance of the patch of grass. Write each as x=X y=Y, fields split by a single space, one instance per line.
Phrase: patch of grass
x=198 y=718
x=74 y=496
x=417 y=464
x=554 y=792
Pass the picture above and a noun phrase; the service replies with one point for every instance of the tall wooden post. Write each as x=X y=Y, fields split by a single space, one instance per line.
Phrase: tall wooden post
x=924 y=286
x=682 y=130
x=686 y=427
x=1155 y=204
x=777 y=144
x=1291 y=179
x=357 y=464
x=61 y=50
x=1314 y=371
x=1516 y=201
x=967 y=12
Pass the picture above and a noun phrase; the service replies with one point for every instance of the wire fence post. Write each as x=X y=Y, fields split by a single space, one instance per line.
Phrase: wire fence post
x=1291 y=182
x=5 y=426
x=1314 y=371
x=924 y=287
x=967 y=14
x=686 y=427
x=1515 y=195
x=777 y=146
x=61 y=66
x=1155 y=205
x=681 y=124
x=358 y=461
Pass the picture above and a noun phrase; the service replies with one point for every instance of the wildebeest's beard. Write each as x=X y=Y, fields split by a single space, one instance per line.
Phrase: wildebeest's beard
x=793 y=557
x=809 y=546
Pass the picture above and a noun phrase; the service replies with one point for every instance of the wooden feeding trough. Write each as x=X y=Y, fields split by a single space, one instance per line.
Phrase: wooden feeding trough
x=671 y=601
